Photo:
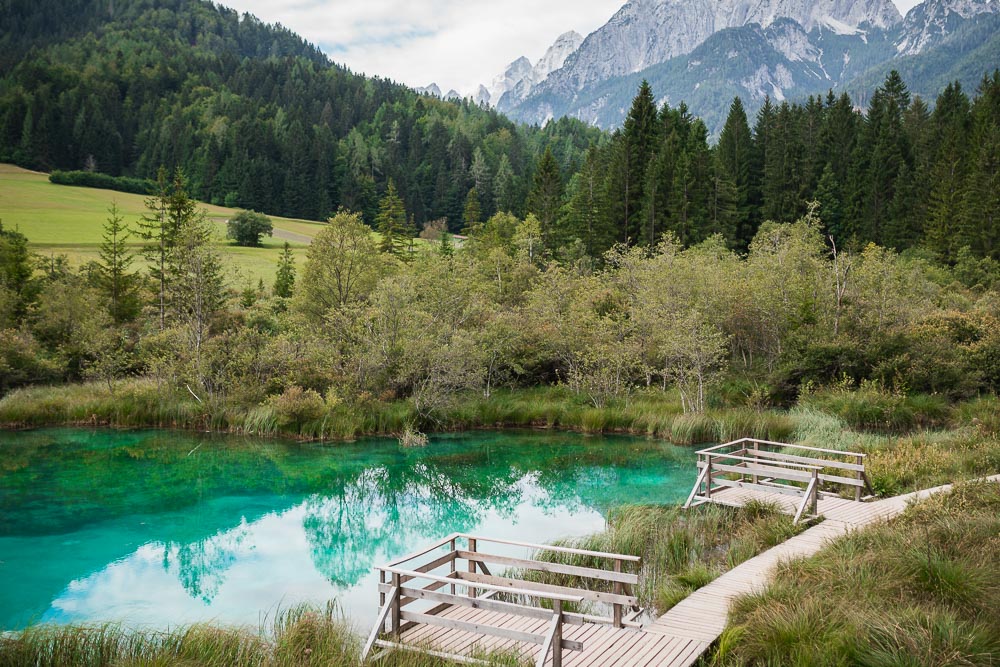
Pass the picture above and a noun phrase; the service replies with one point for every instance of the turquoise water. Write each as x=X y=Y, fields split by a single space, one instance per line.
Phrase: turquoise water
x=158 y=529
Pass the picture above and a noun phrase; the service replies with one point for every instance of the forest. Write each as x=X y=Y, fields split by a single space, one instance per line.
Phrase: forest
x=258 y=119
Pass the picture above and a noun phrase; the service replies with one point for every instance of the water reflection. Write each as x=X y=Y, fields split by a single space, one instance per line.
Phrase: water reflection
x=130 y=526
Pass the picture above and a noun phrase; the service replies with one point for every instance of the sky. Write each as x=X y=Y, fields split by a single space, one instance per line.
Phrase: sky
x=455 y=43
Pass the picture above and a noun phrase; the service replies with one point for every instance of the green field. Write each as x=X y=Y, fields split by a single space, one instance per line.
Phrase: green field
x=65 y=220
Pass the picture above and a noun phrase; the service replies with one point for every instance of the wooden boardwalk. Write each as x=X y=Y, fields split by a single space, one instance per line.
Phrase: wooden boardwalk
x=467 y=627
x=703 y=615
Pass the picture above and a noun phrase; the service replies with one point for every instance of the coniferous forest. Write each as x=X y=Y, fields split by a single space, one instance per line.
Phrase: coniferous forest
x=259 y=119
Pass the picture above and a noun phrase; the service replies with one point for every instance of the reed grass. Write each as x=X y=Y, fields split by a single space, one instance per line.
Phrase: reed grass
x=298 y=637
x=920 y=590
x=681 y=550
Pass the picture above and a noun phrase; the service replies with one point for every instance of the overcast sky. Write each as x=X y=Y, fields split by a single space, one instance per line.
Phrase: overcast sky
x=454 y=43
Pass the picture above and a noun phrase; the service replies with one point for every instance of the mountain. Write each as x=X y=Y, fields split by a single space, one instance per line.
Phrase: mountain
x=515 y=83
x=929 y=23
x=706 y=52
x=647 y=32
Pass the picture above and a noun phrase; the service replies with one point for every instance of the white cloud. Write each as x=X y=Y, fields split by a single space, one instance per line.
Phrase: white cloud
x=454 y=43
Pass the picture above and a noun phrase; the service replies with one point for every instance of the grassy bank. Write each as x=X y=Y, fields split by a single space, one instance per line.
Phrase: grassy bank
x=296 y=638
x=920 y=590
x=681 y=550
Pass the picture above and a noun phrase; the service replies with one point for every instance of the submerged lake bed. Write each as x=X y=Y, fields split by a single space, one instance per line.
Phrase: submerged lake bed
x=160 y=529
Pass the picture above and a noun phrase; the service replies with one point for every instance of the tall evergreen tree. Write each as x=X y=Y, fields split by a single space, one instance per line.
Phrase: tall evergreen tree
x=284 y=280
x=391 y=223
x=114 y=263
x=546 y=198
x=634 y=147
x=735 y=160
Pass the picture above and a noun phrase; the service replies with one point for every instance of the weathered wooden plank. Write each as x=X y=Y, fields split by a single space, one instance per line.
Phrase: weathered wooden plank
x=549 y=547
x=557 y=568
x=437 y=654
x=551 y=591
x=483 y=629
x=475 y=603
x=563 y=595
x=792 y=458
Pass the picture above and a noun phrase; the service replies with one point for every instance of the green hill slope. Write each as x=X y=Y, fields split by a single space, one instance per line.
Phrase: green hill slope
x=63 y=220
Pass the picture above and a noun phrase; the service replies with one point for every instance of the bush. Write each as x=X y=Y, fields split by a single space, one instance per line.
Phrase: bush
x=246 y=228
x=297 y=407
x=88 y=179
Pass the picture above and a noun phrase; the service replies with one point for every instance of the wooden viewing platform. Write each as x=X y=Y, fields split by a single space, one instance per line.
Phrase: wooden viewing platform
x=463 y=612
x=806 y=482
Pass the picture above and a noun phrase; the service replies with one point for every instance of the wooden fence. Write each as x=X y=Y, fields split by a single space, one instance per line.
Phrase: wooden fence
x=445 y=570
x=775 y=467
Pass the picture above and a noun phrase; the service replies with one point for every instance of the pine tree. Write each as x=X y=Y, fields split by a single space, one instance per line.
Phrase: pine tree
x=391 y=222
x=951 y=121
x=113 y=268
x=634 y=147
x=585 y=215
x=735 y=159
x=284 y=281
x=545 y=200
x=472 y=216
x=503 y=186
x=831 y=210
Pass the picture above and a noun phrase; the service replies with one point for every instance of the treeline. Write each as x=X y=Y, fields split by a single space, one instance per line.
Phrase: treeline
x=899 y=175
x=92 y=179
x=256 y=117
x=353 y=328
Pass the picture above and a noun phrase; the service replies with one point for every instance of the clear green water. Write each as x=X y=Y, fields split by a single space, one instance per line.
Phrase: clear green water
x=158 y=528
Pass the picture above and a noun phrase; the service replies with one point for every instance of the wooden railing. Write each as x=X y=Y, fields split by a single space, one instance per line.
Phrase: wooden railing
x=772 y=467
x=397 y=591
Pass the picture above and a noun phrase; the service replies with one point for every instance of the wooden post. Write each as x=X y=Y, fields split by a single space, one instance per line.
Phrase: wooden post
x=381 y=595
x=472 y=565
x=453 y=564
x=756 y=461
x=708 y=477
x=861 y=477
x=394 y=623
x=618 y=591
x=557 y=638
x=815 y=492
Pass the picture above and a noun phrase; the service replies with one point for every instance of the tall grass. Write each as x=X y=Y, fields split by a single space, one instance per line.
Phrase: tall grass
x=144 y=403
x=296 y=638
x=681 y=550
x=873 y=408
x=921 y=590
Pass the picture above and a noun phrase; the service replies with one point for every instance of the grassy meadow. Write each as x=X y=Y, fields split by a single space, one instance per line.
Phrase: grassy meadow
x=66 y=220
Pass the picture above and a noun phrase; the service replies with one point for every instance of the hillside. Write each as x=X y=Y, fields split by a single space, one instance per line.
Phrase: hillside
x=256 y=117
x=63 y=220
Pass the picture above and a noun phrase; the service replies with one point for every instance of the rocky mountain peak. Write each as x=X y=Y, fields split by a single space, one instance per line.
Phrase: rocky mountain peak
x=931 y=21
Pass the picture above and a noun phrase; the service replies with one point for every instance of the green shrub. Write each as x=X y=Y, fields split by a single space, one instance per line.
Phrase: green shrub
x=296 y=407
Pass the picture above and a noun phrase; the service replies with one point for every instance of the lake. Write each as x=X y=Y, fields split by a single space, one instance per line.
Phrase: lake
x=160 y=528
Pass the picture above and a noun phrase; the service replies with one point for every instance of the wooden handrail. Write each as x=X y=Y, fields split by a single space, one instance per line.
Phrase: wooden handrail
x=412 y=574
x=777 y=464
x=423 y=552
x=549 y=547
x=783 y=445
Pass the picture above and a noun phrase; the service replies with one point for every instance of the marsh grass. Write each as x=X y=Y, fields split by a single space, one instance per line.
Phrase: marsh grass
x=139 y=402
x=298 y=637
x=920 y=590
x=681 y=550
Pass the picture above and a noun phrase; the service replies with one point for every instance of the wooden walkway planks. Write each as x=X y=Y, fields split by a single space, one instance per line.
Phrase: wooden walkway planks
x=703 y=615
x=603 y=645
x=683 y=634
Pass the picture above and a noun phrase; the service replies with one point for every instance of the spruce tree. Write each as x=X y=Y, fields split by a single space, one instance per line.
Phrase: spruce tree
x=635 y=145
x=472 y=213
x=113 y=268
x=735 y=161
x=391 y=222
x=545 y=200
x=284 y=281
